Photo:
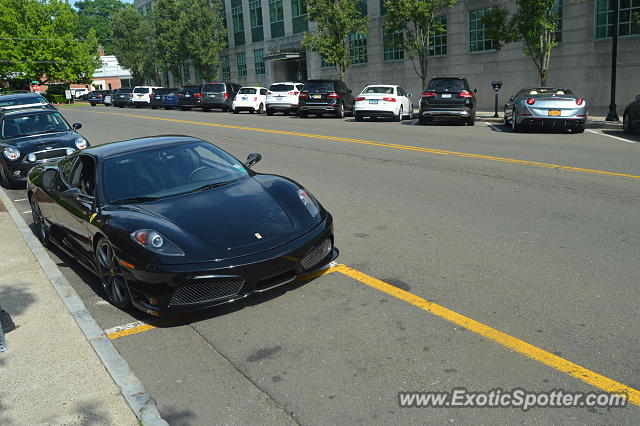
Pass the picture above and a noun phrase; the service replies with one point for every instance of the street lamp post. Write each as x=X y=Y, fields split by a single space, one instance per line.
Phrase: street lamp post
x=613 y=114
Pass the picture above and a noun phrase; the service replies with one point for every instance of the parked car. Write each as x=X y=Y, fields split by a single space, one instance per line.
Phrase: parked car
x=189 y=97
x=631 y=117
x=170 y=100
x=97 y=96
x=283 y=97
x=142 y=95
x=122 y=97
x=108 y=98
x=31 y=137
x=250 y=99
x=218 y=95
x=448 y=98
x=325 y=96
x=23 y=100
x=552 y=107
x=80 y=93
x=155 y=99
x=383 y=101
x=139 y=204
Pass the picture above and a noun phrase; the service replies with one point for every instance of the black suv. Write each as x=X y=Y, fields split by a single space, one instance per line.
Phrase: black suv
x=122 y=97
x=155 y=98
x=218 y=95
x=448 y=98
x=23 y=99
x=189 y=97
x=31 y=137
x=97 y=96
x=322 y=96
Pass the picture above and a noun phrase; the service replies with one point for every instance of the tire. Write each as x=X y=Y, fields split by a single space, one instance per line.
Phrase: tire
x=626 y=125
x=120 y=106
x=183 y=108
x=422 y=121
x=206 y=109
x=398 y=117
x=340 y=111
x=515 y=127
x=260 y=109
x=302 y=114
x=5 y=180
x=111 y=277
x=269 y=112
x=40 y=228
x=154 y=107
x=235 y=111
x=93 y=105
x=471 y=121
x=358 y=117
x=167 y=108
x=578 y=129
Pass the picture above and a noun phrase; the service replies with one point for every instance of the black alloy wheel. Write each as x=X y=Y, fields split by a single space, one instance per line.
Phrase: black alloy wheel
x=111 y=276
x=38 y=222
x=340 y=111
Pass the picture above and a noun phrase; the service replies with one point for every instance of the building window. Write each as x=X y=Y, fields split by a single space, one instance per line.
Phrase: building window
x=238 y=22
x=299 y=16
x=383 y=10
x=392 y=49
x=224 y=67
x=241 y=61
x=358 y=48
x=276 y=18
x=438 y=40
x=626 y=11
x=258 y=60
x=255 y=16
x=186 y=73
x=148 y=8
x=166 y=77
x=478 y=39
x=325 y=64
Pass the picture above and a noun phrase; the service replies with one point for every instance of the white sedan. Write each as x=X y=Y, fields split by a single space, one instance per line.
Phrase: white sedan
x=252 y=99
x=382 y=100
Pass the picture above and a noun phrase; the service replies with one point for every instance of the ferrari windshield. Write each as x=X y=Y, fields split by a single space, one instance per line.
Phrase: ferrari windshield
x=167 y=171
x=33 y=124
x=546 y=91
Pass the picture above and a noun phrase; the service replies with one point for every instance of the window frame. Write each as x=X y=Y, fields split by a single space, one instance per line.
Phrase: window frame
x=478 y=21
x=241 y=66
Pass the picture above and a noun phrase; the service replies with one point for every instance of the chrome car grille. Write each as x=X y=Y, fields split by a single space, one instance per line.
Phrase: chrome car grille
x=316 y=255
x=51 y=153
x=205 y=290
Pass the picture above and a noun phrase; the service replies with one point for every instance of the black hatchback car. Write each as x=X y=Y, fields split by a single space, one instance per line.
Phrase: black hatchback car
x=631 y=117
x=31 y=137
x=448 y=98
x=218 y=95
x=189 y=97
x=122 y=97
x=21 y=100
x=325 y=96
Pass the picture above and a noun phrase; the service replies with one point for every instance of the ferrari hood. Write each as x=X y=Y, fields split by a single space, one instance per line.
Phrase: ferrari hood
x=237 y=219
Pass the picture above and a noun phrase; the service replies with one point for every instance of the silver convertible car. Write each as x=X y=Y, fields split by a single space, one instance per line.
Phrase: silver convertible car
x=545 y=107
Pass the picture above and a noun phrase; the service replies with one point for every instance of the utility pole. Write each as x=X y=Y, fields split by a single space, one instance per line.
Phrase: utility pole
x=613 y=114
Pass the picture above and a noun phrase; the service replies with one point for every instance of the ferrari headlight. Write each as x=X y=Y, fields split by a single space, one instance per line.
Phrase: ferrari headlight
x=81 y=143
x=309 y=202
x=11 y=153
x=156 y=242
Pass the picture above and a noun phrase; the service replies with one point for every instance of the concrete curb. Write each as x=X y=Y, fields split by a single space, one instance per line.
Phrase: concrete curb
x=132 y=389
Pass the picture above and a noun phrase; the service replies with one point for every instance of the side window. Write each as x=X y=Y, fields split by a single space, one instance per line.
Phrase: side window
x=83 y=175
x=263 y=91
x=74 y=181
x=65 y=168
x=299 y=86
x=401 y=92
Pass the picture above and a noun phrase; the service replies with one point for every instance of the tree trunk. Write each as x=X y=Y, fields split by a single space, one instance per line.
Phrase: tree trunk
x=543 y=77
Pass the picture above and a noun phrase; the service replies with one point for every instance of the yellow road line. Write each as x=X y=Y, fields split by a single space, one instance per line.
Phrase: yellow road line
x=387 y=145
x=499 y=337
x=174 y=320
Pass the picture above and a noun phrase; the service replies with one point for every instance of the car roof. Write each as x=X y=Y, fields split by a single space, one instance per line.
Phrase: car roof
x=253 y=87
x=29 y=111
x=21 y=95
x=113 y=149
x=382 y=85
x=287 y=82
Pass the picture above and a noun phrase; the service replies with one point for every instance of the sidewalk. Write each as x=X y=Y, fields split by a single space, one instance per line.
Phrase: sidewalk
x=50 y=373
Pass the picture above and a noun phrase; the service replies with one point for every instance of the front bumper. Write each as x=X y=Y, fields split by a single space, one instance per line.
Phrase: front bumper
x=18 y=171
x=164 y=289
x=552 y=123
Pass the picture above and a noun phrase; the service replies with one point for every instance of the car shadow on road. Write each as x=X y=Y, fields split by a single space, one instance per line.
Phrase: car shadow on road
x=635 y=137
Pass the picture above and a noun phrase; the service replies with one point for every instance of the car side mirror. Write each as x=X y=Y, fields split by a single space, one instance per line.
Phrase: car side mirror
x=409 y=95
x=252 y=159
x=475 y=90
x=511 y=98
x=77 y=126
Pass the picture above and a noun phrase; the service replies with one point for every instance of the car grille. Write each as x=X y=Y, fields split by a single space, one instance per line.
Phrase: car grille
x=316 y=255
x=205 y=290
x=51 y=153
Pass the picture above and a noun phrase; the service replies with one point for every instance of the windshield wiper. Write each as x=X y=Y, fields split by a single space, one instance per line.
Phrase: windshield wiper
x=134 y=200
x=208 y=186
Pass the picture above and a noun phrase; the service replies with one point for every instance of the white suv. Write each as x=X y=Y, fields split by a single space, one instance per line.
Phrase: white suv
x=283 y=97
x=141 y=95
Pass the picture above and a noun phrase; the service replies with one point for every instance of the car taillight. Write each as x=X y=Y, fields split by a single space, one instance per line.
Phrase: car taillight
x=429 y=94
x=180 y=95
x=304 y=95
x=360 y=98
x=531 y=101
x=226 y=95
x=333 y=95
x=579 y=101
x=197 y=95
x=465 y=94
x=389 y=99
x=296 y=93
x=255 y=98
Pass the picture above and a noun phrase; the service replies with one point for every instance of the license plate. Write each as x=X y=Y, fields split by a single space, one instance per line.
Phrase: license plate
x=373 y=101
x=446 y=95
x=316 y=96
x=244 y=98
x=554 y=112
x=187 y=96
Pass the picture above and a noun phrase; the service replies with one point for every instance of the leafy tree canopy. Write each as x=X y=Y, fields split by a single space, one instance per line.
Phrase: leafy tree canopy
x=97 y=14
x=133 y=44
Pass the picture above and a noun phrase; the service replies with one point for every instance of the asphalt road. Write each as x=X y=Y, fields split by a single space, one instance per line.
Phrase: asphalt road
x=534 y=235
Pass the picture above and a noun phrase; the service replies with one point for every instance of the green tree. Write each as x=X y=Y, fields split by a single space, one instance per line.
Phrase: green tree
x=533 y=23
x=336 y=19
x=97 y=14
x=170 y=45
x=38 y=42
x=416 y=19
x=133 y=44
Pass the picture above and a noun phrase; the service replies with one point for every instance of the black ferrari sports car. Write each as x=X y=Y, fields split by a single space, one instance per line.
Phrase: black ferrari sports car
x=174 y=223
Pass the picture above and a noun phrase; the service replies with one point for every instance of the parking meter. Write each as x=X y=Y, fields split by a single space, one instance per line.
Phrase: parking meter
x=496 y=86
